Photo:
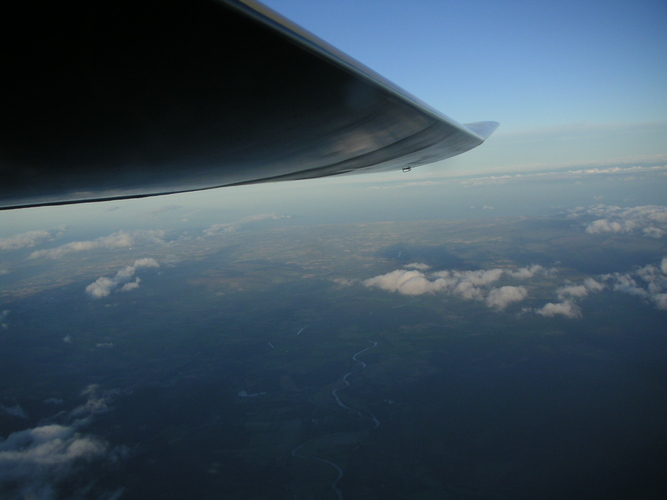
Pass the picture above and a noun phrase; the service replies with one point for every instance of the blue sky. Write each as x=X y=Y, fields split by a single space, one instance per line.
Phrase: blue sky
x=573 y=84
x=546 y=70
x=527 y=63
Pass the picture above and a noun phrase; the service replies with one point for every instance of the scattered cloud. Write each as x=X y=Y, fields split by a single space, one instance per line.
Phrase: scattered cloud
x=35 y=462
x=103 y=286
x=500 y=298
x=468 y=285
x=120 y=239
x=418 y=265
x=649 y=220
x=566 y=308
x=29 y=239
x=529 y=271
x=569 y=295
x=4 y=324
x=234 y=226
x=13 y=411
x=648 y=283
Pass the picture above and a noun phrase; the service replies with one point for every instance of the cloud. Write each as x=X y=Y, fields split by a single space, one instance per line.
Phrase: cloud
x=528 y=272
x=648 y=282
x=120 y=239
x=469 y=285
x=344 y=281
x=35 y=462
x=649 y=220
x=418 y=265
x=13 y=411
x=127 y=287
x=569 y=295
x=234 y=226
x=566 y=308
x=102 y=287
x=406 y=282
x=500 y=298
x=28 y=239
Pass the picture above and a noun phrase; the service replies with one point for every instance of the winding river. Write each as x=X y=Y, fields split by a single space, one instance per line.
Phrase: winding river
x=367 y=413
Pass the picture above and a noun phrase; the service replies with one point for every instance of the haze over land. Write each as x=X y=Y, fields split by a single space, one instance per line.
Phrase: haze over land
x=482 y=357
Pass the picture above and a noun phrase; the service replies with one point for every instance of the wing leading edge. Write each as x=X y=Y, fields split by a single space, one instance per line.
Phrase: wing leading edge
x=128 y=99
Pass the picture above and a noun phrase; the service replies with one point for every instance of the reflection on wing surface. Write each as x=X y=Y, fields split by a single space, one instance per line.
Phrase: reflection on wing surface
x=126 y=99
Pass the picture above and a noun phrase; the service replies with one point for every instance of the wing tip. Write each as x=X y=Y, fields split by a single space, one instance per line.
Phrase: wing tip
x=482 y=129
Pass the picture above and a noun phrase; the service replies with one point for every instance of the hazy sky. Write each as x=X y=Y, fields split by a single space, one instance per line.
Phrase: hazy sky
x=574 y=85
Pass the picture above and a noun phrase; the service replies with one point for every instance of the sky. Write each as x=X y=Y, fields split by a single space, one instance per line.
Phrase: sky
x=588 y=73
x=574 y=85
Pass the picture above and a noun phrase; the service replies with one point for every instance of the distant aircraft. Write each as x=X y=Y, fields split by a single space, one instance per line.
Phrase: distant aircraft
x=134 y=98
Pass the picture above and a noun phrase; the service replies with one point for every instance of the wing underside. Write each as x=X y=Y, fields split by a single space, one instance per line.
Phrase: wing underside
x=127 y=99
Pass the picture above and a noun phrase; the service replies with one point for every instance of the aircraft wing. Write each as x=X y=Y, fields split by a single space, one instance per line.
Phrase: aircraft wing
x=133 y=98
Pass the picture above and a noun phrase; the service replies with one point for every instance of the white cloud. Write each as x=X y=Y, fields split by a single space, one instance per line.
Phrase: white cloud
x=233 y=226
x=120 y=239
x=34 y=462
x=593 y=286
x=648 y=283
x=102 y=287
x=569 y=295
x=653 y=232
x=28 y=239
x=605 y=226
x=527 y=272
x=418 y=265
x=132 y=285
x=649 y=220
x=405 y=282
x=572 y=291
x=500 y=298
x=566 y=308
x=469 y=285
